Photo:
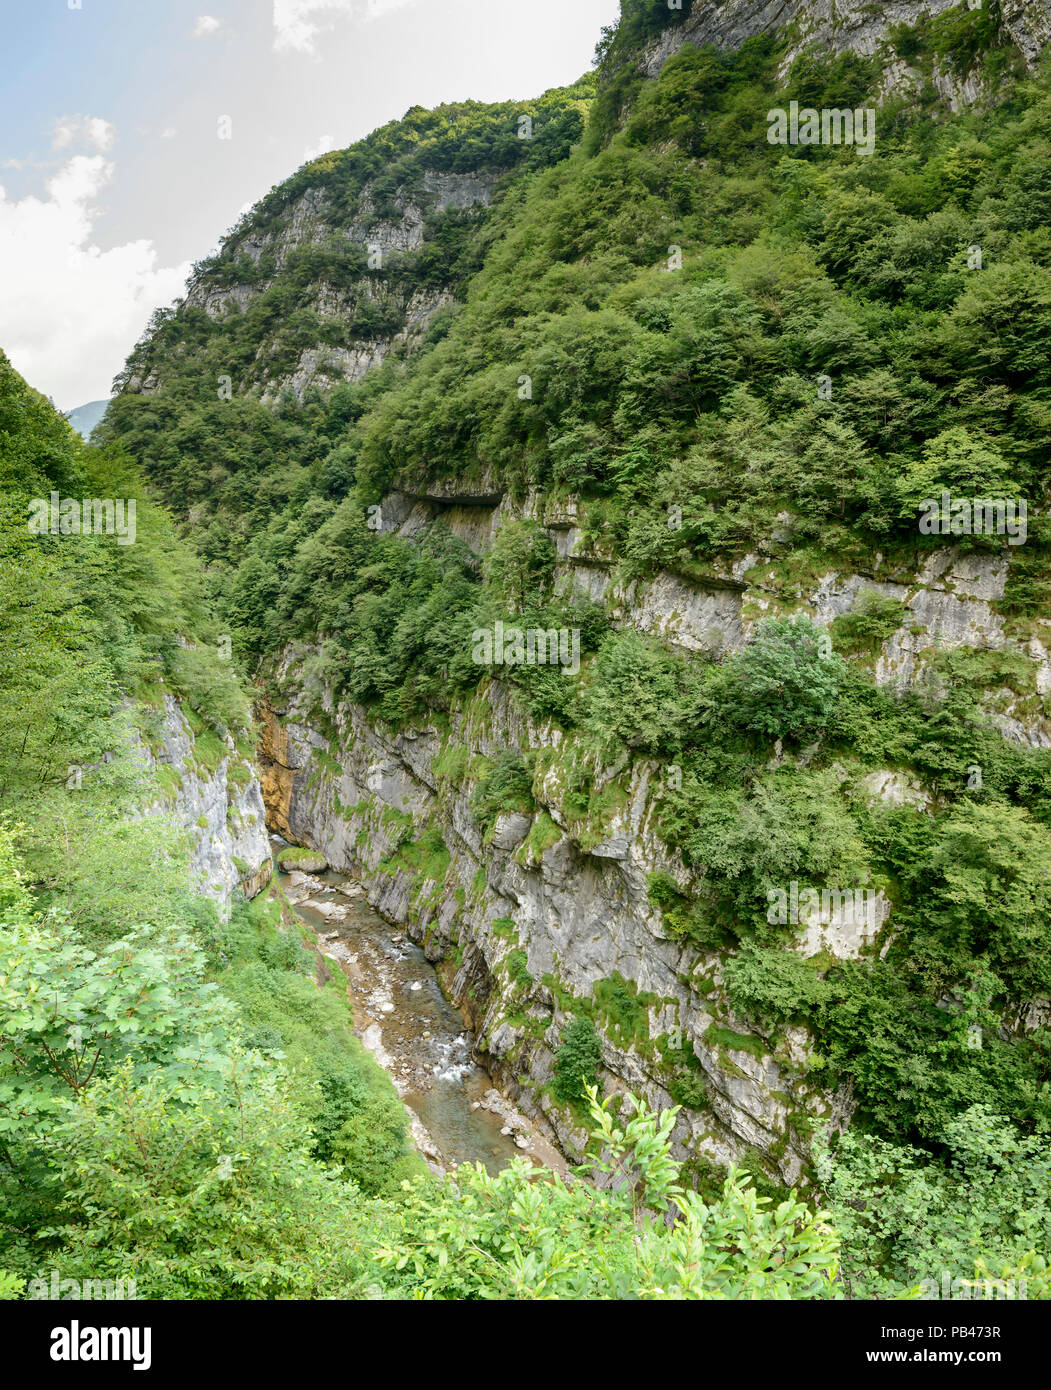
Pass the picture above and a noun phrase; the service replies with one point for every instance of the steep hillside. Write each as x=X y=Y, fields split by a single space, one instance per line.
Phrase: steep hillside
x=140 y=994
x=354 y=261
x=937 y=49
x=114 y=695
x=687 y=418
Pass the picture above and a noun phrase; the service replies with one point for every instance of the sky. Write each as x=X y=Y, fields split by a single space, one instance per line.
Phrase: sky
x=113 y=175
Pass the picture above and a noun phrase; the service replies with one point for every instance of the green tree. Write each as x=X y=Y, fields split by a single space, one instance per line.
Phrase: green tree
x=958 y=463
x=577 y=1061
x=785 y=682
x=520 y=563
x=207 y=1192
x=981 y=1210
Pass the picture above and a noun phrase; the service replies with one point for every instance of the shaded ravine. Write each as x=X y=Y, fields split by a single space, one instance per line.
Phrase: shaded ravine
x=411 y=1029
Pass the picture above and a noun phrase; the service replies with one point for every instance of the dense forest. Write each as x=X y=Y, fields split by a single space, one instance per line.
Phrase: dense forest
x=725 y=358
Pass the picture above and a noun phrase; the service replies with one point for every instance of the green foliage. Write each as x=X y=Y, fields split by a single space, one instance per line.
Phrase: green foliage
x=785 y=682
x=89 y=620
x=644 y=1237
x=789 y=825
x=955 y=461
x=207 y=1195
x=297 y=858
x=506 y=785
x=868 y=624
x=639 y=696
x=141 y=1133
x=913 y=1061
x=576 y=1061
x=68 y=1011
x=679 y=409
x=520 y=565
x=624 y=1008
x=981 y=1211
x=355 y=1117
x=961 y=37
x=988 y=897
x=775 y=987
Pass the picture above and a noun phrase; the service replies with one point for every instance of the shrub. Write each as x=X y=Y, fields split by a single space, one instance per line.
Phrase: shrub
x=785 y=682
x=577 y=1061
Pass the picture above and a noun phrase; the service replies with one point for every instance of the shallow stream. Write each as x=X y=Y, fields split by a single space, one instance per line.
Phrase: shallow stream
x=415 y=1034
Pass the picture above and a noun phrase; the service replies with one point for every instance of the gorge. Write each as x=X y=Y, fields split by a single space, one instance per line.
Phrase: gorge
x=611 y=369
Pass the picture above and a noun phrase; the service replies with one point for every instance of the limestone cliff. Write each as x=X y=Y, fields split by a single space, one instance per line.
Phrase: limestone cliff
x=534 y=914
x=214 y=793
x=840 y=26
x=536 y=911
x=949 y=601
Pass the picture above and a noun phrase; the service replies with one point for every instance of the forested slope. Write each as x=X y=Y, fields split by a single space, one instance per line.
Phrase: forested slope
x=140 y=1033
x=685 y=395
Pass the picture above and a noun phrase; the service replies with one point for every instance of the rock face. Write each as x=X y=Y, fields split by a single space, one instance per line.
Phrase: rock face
x=533 y=914
x=311 y=221
x=950 y=601
x=836 y=26
x=221 y=804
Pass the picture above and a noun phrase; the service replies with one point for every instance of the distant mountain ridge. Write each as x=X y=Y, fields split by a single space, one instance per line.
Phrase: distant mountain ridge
x=84 y=418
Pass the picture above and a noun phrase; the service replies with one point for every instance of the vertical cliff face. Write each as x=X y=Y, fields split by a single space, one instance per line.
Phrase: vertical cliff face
x=841 y=26
x=212 y=790
x=535 y=912
x=952 y=598
x=954 y=36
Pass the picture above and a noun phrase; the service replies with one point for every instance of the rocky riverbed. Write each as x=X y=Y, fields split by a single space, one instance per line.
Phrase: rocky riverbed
x=402 y=1017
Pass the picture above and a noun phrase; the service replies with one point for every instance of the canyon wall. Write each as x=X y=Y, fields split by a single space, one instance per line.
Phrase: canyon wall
x=215 y=794
x=532 y=913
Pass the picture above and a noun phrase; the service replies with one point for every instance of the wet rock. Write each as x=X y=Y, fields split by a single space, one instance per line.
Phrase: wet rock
x=330 y=910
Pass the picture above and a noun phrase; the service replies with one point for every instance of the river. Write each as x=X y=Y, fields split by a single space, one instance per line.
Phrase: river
x=411 y=1029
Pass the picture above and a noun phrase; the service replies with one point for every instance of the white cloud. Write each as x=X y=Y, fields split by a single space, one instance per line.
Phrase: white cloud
x=169 y=133
x=297 y=23
x=375 y=8
x=91 y=131
x=324 y=145
x=69 y=311
x=206 y=26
